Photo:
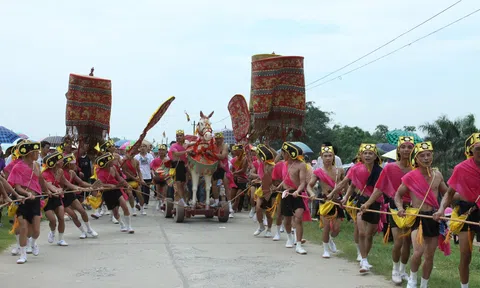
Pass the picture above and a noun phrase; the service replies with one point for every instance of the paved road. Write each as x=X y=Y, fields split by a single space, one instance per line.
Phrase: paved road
x=199 y=253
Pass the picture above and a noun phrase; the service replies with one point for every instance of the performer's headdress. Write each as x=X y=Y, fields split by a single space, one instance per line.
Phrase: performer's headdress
x=180 y=132
x=293 y=150
x=471 y=141
x=25 y=147
x=403 y=140
x=162 y=147
x=265 y=154
x=70 y=158
x=327 y=149
x=104 y=159
x=61 y=148
x=237 y=147
x=51 y=160
x=218 y=135
x=419 y=147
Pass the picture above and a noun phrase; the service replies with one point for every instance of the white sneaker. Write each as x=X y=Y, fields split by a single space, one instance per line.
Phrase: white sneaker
x=62 y=243
x=29 y=248
x=282 y=229
x=332 y=246
x=51 y=237
x=252 y=212
x=15 y=251
x=93 y=233
x=134 y=211
x=114 y=220
x=299 y=249
x=326 y=254
x=83 y=235
x=359 y=258
x=145 y=206
x=123 y=228
x=230 y=215
x=404 y=276
x=130 y=230
x=265 y=221
x=268 y=234
x=143 y=212
x=35 y=250
x=230 y=208
x=368 y=264
x=258 y=231
x=276 y=237
x=363 y=267
x=290 y=241
x=22 y=259
x=396 y=277
x=412 y=283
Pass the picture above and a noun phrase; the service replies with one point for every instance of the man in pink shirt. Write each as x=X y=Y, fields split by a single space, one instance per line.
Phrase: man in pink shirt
x=178 y=155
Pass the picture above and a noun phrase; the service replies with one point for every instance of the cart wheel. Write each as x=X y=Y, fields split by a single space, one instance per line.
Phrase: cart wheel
x=223 y=212
x=169 y=208
x=210 y=214
x=179 y=213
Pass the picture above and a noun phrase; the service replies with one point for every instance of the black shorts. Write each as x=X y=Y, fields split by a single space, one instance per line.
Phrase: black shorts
x=68 y=199
x=370 y=217
x=241 y=186
x=266 y=204
x=430 y=227
x=219 y=174
x=112 y=198
x=29 y=209
x=474 y=216
x=53 y=203
x=159 y=181
x=180 y=171
x=290 y=204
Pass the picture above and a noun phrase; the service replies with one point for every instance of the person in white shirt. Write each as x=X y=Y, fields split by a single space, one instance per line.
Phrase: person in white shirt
x=145 y=158
x=338 y=161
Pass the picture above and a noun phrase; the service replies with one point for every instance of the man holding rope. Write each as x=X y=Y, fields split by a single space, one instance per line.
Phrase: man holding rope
x=464 y=183
x=424 y=185
x=178 y=154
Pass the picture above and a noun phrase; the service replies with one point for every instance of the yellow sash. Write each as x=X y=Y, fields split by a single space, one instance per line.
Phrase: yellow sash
x=455 y=226
x=325 y=208
x=94 y=202
x=259 y=192
x=408 y=220
x=133 y=184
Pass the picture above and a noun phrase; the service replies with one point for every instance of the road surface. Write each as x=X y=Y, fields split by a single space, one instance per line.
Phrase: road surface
x=198 y=253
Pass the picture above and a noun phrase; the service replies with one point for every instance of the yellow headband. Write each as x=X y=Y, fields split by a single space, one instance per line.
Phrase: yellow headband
x=471 y=141
x=219 y=135
x=180 y=132
x=326 y=149
x=419 y=148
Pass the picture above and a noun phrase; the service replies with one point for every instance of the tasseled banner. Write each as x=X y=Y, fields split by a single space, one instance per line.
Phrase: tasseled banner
x=444 y=245
x=387 y=235
x=420 y=234
x=272 y=210
x=16 y=224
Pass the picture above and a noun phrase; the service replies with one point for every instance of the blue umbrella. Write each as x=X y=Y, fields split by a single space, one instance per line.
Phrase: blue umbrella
x=120 y=143
x=386 y=147
x=304 y=147
x=7 y=135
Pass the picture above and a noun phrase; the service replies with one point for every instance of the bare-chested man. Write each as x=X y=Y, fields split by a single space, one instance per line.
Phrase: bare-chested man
x=328 y=176
x=221 y=152
x=294 y=182
x=387 y=185
x=464 y=186
x=424 y=185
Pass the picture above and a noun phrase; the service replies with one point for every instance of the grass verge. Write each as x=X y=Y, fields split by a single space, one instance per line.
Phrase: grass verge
x=445 y=270
x=5 y=239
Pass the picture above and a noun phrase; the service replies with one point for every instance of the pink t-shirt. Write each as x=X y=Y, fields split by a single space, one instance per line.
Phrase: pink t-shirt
x=177 y=148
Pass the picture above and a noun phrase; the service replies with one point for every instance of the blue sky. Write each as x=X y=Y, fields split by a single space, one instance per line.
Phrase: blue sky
x=154 y=49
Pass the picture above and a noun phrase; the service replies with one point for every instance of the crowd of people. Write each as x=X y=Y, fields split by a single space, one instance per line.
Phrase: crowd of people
x=277 y=186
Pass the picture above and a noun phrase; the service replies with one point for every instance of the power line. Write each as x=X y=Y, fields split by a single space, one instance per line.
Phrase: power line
x=410 y=30
x=221 y=120
x=396 y=50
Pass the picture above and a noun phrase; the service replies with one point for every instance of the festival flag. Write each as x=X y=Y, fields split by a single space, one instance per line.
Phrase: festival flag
x=164 y=135
x=188 y=116
x=153 y=121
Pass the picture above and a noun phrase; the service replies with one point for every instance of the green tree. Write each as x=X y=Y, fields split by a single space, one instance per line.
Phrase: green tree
x=347 y=140
x=380 y=134
x=316 y=127
x=410 y=128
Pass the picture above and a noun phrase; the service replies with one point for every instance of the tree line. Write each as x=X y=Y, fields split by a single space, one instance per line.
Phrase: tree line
x=447 y=136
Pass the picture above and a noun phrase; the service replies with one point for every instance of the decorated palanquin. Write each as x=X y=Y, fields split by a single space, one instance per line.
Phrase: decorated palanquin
x=277 y=101
x=89 y=103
